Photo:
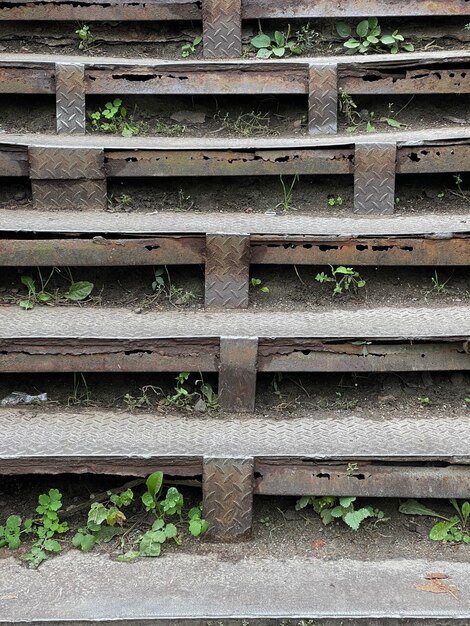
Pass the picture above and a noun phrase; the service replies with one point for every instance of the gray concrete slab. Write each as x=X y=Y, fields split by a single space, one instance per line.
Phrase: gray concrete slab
x=93 y=589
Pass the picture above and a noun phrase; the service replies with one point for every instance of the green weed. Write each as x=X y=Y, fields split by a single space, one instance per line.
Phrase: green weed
x=114 y=118
x=368 y=37
x=278 y=44
x=450 y=529
x=258 y=283
x=85 y=37
x=39 y=294
x=188 y=49
x=344 y=279
x=330 y=508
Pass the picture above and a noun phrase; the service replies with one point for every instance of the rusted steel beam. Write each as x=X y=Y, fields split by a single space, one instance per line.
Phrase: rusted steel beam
x=227 y=270
x=98 y=356
x=88 y=10
x=70 y=98
x=228 y=497
x=27 y=80
x=92 y=465
x=237 y=373
x=228 y=162
x=362 y=357
x=374 y=178
x=433 y=159
x=376 y=481
x=102 y=251
x=222 y=28
x=305 y=250
x=323 y=99
x=254 y=9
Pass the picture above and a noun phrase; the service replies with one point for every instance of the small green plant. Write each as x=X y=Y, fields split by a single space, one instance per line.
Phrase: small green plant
x=307 y=38
x=258 y=283
x=467 y=27
x=330 y=508
x=438 y=287
x=46 y=528
x=188 y=49
x=150 y=543
x=287 y=193
x=85 y=37
x=460 y=193
x=344 y=279
x=368 y=37
x=80 y=393
x=278 y=44
x=351 y=469
x=335 y=200
x=169 y=130
x=113 y=118
x=144 y=400
x=451 y=529
x=105 y=521
x=162 y=284
x=38 y=294
x=11 y=531
x=424 y=400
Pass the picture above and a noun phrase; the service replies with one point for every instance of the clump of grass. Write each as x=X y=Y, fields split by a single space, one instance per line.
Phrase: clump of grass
x=253 y=124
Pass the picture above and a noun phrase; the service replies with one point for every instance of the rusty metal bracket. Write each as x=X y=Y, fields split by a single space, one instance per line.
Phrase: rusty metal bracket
x=222 y=28
x=323 y=99
x=227 y=270
x=70 y=98
x=68 y=178
x=228 y=497
x=374 y=178
x=237 y=373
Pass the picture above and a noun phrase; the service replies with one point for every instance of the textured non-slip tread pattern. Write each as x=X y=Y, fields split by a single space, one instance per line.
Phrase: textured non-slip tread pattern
x=68 y=434
x=382 y=323
x=202 y=223
x=410 y=138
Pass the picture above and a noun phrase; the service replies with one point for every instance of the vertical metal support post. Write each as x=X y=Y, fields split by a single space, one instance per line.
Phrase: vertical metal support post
x=374 y=178
x=228 y=497
x=70 y=98
x=323 y=99
x=222 y=28
x=227 y=270
x=237 y=373
x=67 y=178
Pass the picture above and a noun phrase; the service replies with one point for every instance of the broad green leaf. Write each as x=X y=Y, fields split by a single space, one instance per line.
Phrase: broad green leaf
x=337 y=511
x=343 y=29
x=128 y=556
x=363 y=28
x=354 y=518
x=279 y=52
x=149 y=546
x=154 y=483
x=352 y=43
x=409 y=47
x=79 y=291
x=13 y=522
x=413 y=507
x=261 y=41
x=51 y=545
x=264 y=53
x=29 y=283
x=439 y=531
x=197 y=40
x=158 y=524
x=97 y=513
x=148 y=501
x=387 y=40
x=465 y=511
x=300 y=504
x=346 y=501
x=170 y=531
x=43 y=296
x=26 y=304
x=279 y=38
x=115 y=516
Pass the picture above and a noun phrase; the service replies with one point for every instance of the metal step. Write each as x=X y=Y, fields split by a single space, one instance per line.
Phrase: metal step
x=70 y=172
x=201 y=590
x=237 y=458
x=74 y=78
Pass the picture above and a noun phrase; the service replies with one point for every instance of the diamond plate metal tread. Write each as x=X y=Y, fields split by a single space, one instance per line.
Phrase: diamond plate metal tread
x=420 y=323
x=68 y=434
x=374 y=178
x=227 y=271
x=76 y=589
x=410 y=138
x=69 y=194
x=222 y=28
x=323 y=99
x=228 y=496
x=70 y=98
x=202 y=223
x=66 y=163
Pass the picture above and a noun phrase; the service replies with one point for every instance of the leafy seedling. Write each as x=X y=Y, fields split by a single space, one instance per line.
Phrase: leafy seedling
x=85 y=37
x=277 y=44
x=330 y=508
x=258 y=283
x=344 y=279
x=335 y=200
x=450 y=529
x=368 y=37
x=188 y=49
x=113 y=118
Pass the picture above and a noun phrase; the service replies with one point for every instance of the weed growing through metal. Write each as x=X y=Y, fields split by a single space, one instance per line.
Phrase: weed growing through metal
x=278 y=44
x=38 y=294
x=188 y=49
x=144 y=400
x=307 y=38
x=162 y=284
x=44 y=529
x=287 y=193
x=348 y=108
x=351 y=469
x=185 y=202
x=258 y=283
x=439 y=287
x=452 y=529
x=114 y=118
x=85 y=37
x=330 y=508
x=344 y=279
x=368 y=37
x=335 y=200
x=80 y=392
x=460 y=193
x=424 y=400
